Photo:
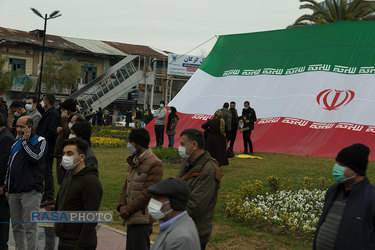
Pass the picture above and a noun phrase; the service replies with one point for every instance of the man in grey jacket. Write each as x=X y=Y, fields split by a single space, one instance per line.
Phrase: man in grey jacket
x=160 y=115
x=202 y=174
x=168 y=204
x=227 y=116
x=30 y=106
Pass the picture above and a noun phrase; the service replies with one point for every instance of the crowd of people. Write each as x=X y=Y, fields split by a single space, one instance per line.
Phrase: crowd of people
x=105 y=117
x=223 y=127
x=32 y=134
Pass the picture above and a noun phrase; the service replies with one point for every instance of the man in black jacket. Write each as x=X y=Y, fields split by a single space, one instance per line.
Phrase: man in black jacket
x=348 y=217
x=24 y=182
x=234 y=124
x=80 y=191
x=249 y=118
x=48 y=129
x=6 y=141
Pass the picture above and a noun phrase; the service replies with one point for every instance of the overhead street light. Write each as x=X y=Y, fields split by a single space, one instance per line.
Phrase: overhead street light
x=53 y=15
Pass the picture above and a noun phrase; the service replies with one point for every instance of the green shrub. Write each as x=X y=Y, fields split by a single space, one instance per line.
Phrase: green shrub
x=274 y=182
x=307 y=183
x=166 y=153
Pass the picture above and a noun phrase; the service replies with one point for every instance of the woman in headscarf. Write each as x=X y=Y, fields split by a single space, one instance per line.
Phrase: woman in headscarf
x=216 y=142
x=171 y=125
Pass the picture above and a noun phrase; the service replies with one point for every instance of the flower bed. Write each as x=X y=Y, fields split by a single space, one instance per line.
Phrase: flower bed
x=108 y=142
x=110 y=131
x=287 y=210
x=110 y=136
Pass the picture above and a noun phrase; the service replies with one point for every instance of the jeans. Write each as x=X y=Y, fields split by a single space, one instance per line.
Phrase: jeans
x=159 y=133
x=4 y=227
x=21 y=205
x=171 y=140
x=138 y=237
x=49 y=188
x=247 y=140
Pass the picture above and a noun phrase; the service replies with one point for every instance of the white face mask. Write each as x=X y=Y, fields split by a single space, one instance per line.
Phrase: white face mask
x=154 y=209
x=182 y=152
x=42 y=104
x=29 y=107
x=17 y=114
x=72 y=136
x=68 y=162
x=131 y=148
x=70 y=125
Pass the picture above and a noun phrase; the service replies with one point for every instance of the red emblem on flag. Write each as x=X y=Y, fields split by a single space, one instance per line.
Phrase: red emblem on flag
x=330 y=99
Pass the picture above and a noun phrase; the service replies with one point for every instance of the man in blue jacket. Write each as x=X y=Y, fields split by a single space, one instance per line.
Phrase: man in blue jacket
x=24 y=181
x=348 y=217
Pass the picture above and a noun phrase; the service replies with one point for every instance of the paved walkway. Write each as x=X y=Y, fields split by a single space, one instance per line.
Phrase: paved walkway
x=108 y=238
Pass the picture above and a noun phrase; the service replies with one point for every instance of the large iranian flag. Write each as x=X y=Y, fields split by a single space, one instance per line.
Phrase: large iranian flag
x=313 y=88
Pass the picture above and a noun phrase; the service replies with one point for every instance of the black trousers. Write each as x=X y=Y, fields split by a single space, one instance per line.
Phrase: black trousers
x=138 y=237
x=232 y=138
x=247 y=140
x=49 y=188
x=159 y=133
x=4 y=227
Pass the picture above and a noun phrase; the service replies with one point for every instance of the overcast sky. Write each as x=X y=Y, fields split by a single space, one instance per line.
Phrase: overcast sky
x=172 y=25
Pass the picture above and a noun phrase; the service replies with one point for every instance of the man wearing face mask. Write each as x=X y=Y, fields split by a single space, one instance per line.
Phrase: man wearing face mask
x=144 y=170
x=159 y=116
x=18 y=109
x=30 y=107
x=348 y=217
x=68 y=110
x=24 y=181
x=48 y=129
x=203 y=175
x=81 y=191
x=82 y=130
x=177 y=229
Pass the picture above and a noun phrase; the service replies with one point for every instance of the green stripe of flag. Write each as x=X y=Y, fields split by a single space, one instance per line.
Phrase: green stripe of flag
x=343 y=47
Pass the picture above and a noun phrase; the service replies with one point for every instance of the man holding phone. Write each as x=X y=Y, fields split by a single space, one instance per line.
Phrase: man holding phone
x=24 y=181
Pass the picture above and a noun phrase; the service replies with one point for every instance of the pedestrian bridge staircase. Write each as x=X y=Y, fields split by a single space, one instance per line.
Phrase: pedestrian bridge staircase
x=115 y=82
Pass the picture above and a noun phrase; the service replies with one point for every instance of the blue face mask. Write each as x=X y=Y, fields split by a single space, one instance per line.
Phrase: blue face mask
x=338 y=173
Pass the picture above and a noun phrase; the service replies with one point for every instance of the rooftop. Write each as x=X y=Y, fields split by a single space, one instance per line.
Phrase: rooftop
x=80 y=45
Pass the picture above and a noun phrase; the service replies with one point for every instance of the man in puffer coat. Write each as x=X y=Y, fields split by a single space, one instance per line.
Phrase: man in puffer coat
x=144 y=170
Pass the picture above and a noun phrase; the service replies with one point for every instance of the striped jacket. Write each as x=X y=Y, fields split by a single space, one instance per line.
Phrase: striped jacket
x=26 y=165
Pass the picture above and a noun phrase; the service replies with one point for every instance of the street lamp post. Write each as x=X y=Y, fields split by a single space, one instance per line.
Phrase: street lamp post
x=53 y=15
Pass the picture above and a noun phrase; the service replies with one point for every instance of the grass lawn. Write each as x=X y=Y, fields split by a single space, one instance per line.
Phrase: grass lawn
x=228 y=233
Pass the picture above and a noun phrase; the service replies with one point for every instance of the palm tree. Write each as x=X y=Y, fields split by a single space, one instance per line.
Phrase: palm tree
x=357 y=10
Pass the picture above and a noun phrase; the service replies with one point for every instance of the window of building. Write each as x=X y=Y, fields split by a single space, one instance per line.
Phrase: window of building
x=88 y=73
x=18 y=65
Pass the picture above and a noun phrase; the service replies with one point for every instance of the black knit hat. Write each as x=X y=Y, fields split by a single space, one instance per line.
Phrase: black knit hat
x=175 y=189
x=355 y=157
x=140 y=136
x=82 y=130
x=69 y=104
